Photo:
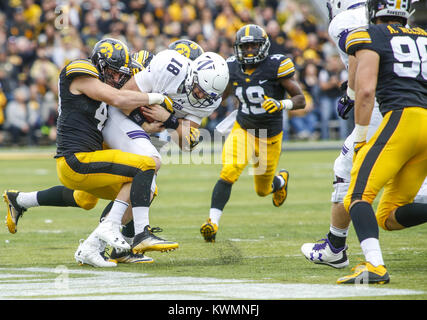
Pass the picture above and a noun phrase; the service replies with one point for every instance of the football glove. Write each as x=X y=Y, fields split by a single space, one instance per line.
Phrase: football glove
x=137 y=116
x=345 y=103
x=272 y=105
x=193 y=138
x=168 y=104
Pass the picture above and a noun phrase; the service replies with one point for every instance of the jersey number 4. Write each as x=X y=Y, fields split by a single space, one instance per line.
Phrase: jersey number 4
x=411 y=56
x=101 y=114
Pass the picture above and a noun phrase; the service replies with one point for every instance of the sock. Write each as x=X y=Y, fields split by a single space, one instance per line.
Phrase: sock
x=27 y=199
x=128 y=230
x=117 y=211
x=140 y=191
x=140 y=218
x=140 y=194
x=337 y=236
x=58 y=196
x=364 y=221
x=372 y=251
x=278 y=182
x=221 y=194
x=215 y=215
x=411 y=214
x=366 y=226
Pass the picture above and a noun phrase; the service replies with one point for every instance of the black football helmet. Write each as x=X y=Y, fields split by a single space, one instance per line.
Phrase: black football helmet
x=112 y=55
x=187 y=48
x=388 y=8
x=252 y=34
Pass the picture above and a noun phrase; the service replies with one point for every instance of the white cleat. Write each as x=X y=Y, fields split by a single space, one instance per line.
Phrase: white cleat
x=324 y=253
x=109 y=232
x=88 y=253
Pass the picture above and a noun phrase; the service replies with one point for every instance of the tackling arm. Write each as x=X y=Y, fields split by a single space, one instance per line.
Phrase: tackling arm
x=125 y=100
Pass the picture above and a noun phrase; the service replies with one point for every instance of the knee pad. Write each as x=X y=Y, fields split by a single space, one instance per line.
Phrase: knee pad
x=340 y=190
x=230 y=173
x=85 y=200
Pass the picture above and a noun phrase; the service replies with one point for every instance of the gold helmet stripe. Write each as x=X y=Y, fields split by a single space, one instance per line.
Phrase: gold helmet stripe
x=247 y=30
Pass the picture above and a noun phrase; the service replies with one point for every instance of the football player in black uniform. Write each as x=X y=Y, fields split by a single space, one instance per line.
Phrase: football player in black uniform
x=261 y=83
x=85 y=89
x=19 y=202
x=391 y=63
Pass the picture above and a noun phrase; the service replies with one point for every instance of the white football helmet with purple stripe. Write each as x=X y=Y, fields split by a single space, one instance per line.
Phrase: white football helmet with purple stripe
x=337 y=6
x=209 y=73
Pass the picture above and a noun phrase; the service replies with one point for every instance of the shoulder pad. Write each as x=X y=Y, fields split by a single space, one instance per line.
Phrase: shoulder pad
x=286 y=67
x=355 y=38
x=81 y=68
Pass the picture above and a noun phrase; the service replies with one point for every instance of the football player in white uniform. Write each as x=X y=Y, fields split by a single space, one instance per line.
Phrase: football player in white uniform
x=195 y=87
x=345 y=16
x=121 y=133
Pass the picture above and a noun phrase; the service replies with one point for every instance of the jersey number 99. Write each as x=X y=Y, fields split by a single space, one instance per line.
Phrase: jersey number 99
x=411 y=56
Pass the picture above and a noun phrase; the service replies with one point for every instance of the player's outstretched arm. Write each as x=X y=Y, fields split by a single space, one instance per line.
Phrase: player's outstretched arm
x=125 y=100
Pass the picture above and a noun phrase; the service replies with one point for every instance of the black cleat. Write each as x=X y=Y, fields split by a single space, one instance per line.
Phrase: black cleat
x=147 y=241
x=14 y=210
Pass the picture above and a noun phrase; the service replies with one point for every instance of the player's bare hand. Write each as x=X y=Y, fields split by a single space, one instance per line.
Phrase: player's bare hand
x=153 y=127
x=156 y=112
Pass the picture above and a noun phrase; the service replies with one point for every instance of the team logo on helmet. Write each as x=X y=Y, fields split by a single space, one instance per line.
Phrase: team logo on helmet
x=106 y=49
x=183 y=49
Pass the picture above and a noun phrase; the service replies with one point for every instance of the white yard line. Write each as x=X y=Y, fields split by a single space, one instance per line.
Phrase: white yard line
x=64 y=283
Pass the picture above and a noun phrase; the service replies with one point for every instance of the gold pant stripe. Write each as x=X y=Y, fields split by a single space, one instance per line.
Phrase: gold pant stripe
x=374 y=152
x=395 y=160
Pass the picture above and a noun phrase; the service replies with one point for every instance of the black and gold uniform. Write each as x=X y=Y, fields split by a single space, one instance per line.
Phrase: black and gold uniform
x=250 y=87
x=82 y=164
x=256 y=132
x=396 y=156
x=402 y=76
x=81 y=118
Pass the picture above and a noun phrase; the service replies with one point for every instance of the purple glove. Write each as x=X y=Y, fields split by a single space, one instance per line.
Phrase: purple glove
x=345 y=104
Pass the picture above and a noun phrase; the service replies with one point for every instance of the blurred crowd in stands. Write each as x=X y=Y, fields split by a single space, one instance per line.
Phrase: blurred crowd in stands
x=39 y=37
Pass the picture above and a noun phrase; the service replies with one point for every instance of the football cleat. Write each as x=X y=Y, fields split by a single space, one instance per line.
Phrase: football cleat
x=129 y=257
x=14 y=210
x=325 y=253
x=366 y=273
x=209 y=230
x=147 y=241
x=279 y=196
x=109 y=232
x=88 y=253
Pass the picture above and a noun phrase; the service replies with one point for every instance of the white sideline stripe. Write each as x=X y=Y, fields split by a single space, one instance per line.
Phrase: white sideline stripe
x=102 y=285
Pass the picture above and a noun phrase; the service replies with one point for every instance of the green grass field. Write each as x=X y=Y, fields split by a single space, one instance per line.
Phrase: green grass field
x=256 y=243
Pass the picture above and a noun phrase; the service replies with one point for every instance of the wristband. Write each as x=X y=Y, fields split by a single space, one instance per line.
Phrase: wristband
x=171 y=122
x=360 y=133
x=137 y=117
x=351 y=94
x=288 y=104
x=155 y=98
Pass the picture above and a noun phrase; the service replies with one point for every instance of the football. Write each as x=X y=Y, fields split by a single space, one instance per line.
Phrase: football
x=146 y=117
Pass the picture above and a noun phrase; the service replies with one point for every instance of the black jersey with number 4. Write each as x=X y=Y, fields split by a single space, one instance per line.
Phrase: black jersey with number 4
x=402 y=75
x=251 y=87
x=81 y=118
